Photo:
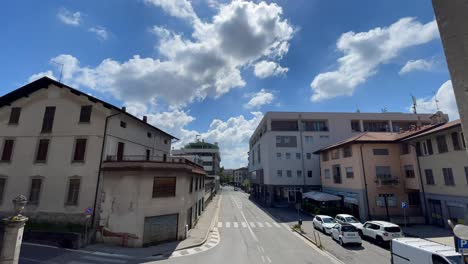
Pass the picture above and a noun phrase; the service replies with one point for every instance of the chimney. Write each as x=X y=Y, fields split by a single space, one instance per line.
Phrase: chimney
x=439 y=118
x=124 y=109
x=145 y=119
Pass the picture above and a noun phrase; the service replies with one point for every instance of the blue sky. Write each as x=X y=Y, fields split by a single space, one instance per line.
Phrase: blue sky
x=214 y=67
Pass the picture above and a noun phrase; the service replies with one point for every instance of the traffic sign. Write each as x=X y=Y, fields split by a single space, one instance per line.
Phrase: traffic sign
x=462 y=244
x=88 y=211
x=403 y=205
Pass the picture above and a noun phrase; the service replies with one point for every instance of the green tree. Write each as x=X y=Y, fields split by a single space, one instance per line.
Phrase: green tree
x=246 y=184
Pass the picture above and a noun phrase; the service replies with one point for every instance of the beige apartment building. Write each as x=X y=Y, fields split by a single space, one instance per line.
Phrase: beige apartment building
x=53 y=139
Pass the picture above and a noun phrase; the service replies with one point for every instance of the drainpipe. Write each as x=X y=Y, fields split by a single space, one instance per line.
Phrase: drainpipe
x=365 y=183
x=422 y=186
x=99 y=169
x=302 y=154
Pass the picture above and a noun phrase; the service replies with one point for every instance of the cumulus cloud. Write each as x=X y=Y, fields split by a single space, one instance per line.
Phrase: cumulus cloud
x=207 y=64
x=100 y=32
x=363 y=52
x=445 y=100
x=416 y=65
x=264 y=69
x=263 y=97
x=39 y=75
x=69 y=18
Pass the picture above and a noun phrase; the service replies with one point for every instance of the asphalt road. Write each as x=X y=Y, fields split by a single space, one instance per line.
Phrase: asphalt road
x=244 y=234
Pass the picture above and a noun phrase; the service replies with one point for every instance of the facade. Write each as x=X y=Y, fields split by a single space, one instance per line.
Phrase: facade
x=443 y=163
x=281 y=160
x=146 y=202
x=52 y=141
x=240 y=175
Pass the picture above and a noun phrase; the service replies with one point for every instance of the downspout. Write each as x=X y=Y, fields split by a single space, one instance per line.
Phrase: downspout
x=426 y=209
x=365 y=183
x=99 y=169
x=301 y=128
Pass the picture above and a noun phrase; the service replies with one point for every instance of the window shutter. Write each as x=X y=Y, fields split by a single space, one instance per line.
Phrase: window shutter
x=14 y=115
x=7 y=149
x=80 y=149
x=42 y=150
x=48 y=120
x=85 y=113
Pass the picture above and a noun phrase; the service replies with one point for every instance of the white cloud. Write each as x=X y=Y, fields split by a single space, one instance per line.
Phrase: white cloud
x=176 y=8
x=36 y=76
x=69 y=18
x=208 y=64
x=446 y=102
x=416 y=65
x=264 y=69
x=100 y=32
x=363 y=52
x=263 y=97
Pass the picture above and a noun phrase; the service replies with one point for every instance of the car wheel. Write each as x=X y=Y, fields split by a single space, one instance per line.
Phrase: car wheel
x=341 y=242
x=379 y=240
x=361 y=234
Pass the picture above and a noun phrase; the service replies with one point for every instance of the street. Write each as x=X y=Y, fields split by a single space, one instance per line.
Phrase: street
x=247 y=234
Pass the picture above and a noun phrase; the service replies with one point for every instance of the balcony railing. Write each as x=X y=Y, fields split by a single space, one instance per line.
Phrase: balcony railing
x=391 y=181
x=144 y=158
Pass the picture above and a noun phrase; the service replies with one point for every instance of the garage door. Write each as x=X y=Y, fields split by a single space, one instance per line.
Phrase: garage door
x=160 y=228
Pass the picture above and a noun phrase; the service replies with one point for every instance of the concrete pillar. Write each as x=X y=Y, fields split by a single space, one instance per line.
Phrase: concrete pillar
x=361 y=125
x=12 y=238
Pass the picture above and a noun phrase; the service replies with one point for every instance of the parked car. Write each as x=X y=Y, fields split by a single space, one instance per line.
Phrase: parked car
x=346 y=234
x=420 y=251
x=324 y=223
x=380 y=231
x=236 y=189
x=348 y=219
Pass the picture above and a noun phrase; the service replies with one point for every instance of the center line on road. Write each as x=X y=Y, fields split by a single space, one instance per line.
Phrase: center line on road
x=236 y=225
x=250 y=229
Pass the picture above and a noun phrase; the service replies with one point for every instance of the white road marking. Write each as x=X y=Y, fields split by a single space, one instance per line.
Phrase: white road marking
x=263 y=259
x=244 y=224
x=268 y=224
x=236 y=225
x=220 y=224
x=286 y=225
x=250 y=229
x=262 y=249
x=228 y=224
x=102 y=259
x=276 y=224
x=268 y=259
x=252 y=224
x=259 y=224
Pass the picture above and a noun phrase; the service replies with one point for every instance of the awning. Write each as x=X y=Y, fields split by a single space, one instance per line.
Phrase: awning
x=351 y=200
x=321 y=196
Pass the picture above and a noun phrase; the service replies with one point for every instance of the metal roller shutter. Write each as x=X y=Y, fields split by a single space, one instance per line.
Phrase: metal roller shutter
x=160 y=228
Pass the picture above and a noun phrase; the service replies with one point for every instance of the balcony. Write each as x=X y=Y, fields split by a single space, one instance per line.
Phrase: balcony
x=386 y=181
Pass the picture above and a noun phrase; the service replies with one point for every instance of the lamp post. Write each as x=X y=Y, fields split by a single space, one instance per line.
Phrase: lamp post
x=13 y=234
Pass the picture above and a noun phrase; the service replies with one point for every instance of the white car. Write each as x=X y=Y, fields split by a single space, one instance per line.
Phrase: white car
x=380 y=231
x=348 y=219
x=346 y=234
x=324 y=223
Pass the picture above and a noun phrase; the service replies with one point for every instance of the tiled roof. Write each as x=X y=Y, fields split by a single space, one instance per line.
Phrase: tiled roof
x=436 y=129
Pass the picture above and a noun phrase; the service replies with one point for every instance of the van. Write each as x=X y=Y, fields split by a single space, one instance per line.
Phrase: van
x=421 y=251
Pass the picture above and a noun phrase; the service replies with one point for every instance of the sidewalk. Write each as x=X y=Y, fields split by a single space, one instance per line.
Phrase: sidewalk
x=196 y=237
x=430 y=232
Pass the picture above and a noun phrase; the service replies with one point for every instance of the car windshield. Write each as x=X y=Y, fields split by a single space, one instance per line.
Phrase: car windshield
x=455 y=259
x=351 y=219
x=392 y=229
x=348 y=228
x=328 y=220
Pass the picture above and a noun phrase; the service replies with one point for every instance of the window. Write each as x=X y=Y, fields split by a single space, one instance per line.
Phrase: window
x=7 y=149
x=165 y=142
x=164 y=187
x=327 y=173
x=355 y=127
x=73 y=191
x=123 y=124
x=448 y=176
x=376 y=126
x=335 y=154
x=80 y=149
x=191 y=185
x=427 y=147
x=409 y=171
x=279 y=173
x=418 y=149
x=380 y=152
x=289 y=173
x=442 y=144
x=2 y=188
x=336 y=174
x=414 y=199
x=383 y=172
x=455 y=141
x=42 y=149
x=309 y=156
x=463 y=140
x=48 y=120
x=286 y=141
x=347 y=152
x=298 y=156
x=288 y=155
x=309 y=174
x=429 y=177
x=466 y=174
x=315 y=126
x=148 y=134
x=85 y=113
x=120 y=151
x=14 y=115
x=35 y=191
x=349 y=172
x=325 y=156
x=404 y=148
x=148 y=153
x=284 y=126
x=309 y=139
x=324 y=136
x=386 y=199
x=258 y=153
x=299 y=173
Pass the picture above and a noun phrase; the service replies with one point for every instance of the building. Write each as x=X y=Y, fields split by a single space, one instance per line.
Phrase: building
x=146 y=202
x=443 y=166
x=281 y=160
x=53 y=139
x=240 y=175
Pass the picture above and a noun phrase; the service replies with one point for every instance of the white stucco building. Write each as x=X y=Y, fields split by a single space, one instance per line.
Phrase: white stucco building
x=53 y=139
x=281 y=159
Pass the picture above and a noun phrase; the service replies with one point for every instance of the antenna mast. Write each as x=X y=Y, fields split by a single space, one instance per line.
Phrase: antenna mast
x=414 y=104
x=61 y=69
x=436 y=101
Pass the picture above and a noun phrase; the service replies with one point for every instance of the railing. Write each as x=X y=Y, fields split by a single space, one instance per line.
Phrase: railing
x=145 y=158
x=387 y=181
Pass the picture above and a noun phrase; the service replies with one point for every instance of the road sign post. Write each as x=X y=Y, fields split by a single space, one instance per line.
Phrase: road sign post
x=88 y=212
x=403 y=205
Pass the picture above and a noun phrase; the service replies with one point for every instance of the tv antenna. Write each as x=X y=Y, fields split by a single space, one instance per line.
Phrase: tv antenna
x=384 y=109
x=357 y=109
x=436 y=100
x=61 y=69
x=414 y=104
